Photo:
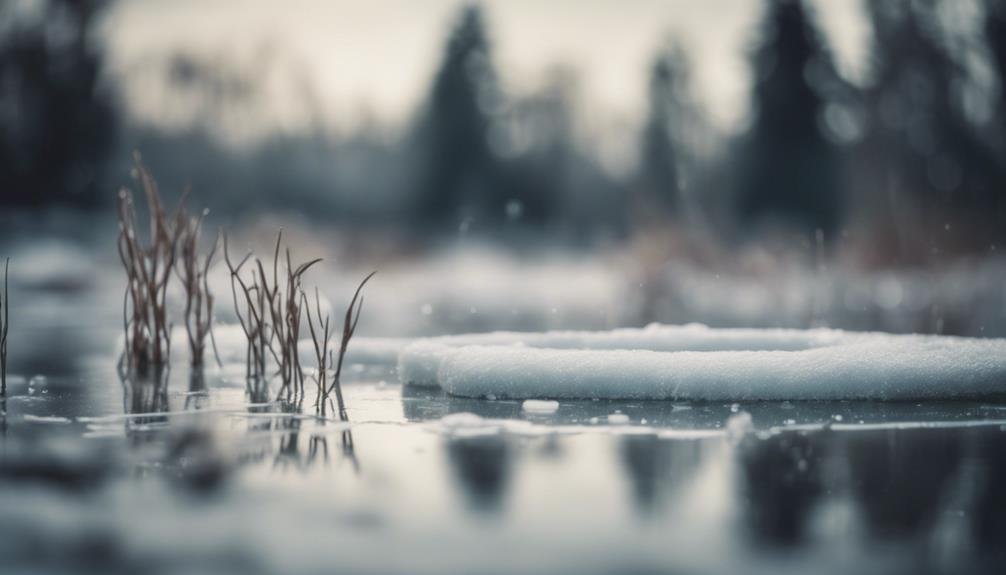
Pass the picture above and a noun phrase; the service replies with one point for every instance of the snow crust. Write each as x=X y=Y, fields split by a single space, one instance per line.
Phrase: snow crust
x=694 y=362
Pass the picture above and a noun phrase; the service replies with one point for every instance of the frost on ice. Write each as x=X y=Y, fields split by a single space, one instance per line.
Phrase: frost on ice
x=694 y=362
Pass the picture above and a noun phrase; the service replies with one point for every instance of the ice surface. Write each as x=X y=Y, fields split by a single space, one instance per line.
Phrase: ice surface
x=698 y=363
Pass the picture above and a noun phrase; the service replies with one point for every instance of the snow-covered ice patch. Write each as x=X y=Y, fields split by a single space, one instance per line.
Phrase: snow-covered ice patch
x=698 y=363
x=540 y=406
x=419 y=362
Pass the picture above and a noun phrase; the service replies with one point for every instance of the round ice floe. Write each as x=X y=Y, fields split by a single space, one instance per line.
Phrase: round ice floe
x=419 y=362
x=877 y=367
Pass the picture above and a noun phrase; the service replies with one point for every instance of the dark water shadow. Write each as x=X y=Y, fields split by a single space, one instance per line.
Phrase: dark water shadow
x=780 y=484
x=482 y=467
x=657 y=468
x=911 y=489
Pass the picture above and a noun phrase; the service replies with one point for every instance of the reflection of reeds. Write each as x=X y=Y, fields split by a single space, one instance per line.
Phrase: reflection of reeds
x=4 y=325
x=148 y=269
x=145 y=399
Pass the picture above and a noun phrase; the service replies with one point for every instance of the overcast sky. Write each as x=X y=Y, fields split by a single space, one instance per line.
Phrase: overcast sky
x=379 y=55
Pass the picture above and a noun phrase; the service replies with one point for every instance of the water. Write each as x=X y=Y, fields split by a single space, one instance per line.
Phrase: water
x=104 y=476
x=202 y=480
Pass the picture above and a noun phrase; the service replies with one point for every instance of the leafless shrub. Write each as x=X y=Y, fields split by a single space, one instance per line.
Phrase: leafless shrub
x=193 y=273
x=148 y=270
x=4 y=326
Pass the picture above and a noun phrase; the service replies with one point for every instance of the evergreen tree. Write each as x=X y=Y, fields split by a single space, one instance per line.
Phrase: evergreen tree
x=659 y=181
x=460 y=178
x=789 y=170
x=995 y=36
x=925 y=153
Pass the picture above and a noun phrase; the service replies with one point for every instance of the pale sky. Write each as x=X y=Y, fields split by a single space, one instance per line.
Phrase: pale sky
x=378 y=56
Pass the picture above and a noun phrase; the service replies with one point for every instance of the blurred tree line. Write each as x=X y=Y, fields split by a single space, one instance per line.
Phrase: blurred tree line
x=56 y=124
x=912 y=161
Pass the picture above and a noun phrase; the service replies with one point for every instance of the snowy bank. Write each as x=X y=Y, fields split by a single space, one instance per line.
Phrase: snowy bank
x=694 y=362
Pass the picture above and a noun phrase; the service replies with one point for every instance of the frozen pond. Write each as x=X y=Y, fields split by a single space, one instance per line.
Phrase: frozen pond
x=202 y=480
x=99 y=475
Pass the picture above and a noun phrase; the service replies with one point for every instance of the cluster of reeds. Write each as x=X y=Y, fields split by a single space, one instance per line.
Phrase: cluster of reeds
x=4 y=326
x=321 y=337
x=270 y=313
x=149 y=268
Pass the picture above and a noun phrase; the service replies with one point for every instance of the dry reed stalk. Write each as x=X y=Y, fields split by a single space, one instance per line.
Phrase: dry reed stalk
x=272 y=318
x=321 y=338
x=252 y=321
x=4 y=327
x=148 y=270
x=193 y=274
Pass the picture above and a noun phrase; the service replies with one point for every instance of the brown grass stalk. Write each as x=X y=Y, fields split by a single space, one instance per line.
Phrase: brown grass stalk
x=252 y=321
x=148 y=269
x=193 y=273
x=273 y=315
x=321 y=337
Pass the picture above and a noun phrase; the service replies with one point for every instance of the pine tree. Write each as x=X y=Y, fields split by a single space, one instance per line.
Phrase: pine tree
x=659 y=182
x=460 y=170
x=924 y=151
x=789 y=170
x=995 y=36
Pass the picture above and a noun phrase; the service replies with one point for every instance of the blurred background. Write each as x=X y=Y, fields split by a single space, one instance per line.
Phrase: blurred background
x=527 y=165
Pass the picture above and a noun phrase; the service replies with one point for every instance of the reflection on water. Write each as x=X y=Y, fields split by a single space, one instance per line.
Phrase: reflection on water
x=902 y=482
x=481 y=466
x=656 y=468
x=669 y=491
x=780 y=484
